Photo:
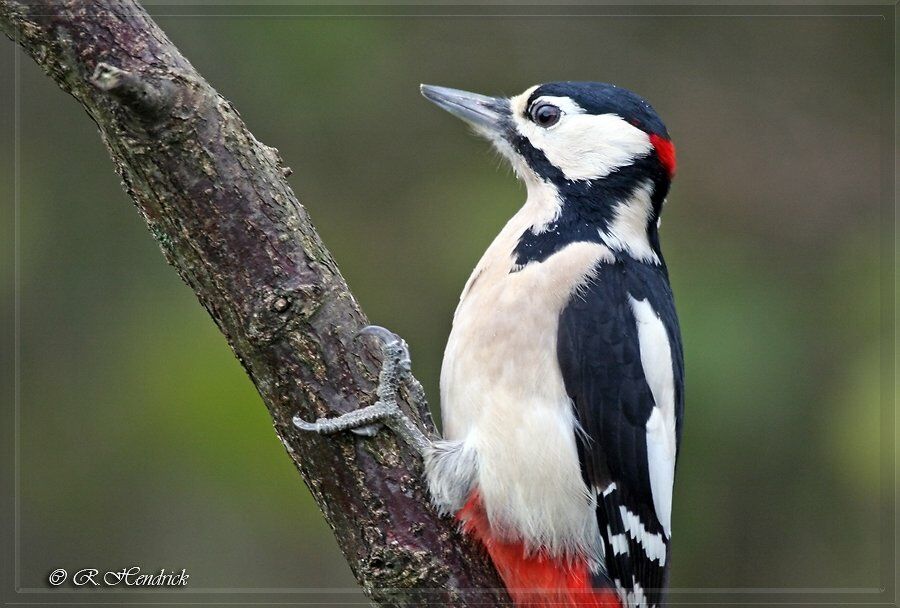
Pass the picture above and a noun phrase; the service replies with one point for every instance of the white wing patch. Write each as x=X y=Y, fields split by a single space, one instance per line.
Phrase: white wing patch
x=618 y=541
x=653 y=544
x=656 y=359
x=637 y=597
x=634 y=598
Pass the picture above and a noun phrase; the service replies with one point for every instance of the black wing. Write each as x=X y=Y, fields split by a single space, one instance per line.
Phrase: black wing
x=600 y=357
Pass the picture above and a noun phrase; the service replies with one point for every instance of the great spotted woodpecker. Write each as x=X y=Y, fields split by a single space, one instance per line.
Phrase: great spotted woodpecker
x=562 y=388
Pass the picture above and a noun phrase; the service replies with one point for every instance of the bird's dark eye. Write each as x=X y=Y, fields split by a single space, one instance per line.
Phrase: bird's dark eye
x=545 y=114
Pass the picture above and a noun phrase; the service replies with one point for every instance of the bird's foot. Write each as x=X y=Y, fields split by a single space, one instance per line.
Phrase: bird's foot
x=395 y=371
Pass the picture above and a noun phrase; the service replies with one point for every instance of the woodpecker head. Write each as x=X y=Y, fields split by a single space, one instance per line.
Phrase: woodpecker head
x=602 y=149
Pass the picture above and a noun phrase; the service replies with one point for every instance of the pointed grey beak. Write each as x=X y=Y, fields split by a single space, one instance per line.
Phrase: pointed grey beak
x=488 y=115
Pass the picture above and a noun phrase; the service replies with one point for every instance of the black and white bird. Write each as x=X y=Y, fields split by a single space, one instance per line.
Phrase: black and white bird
x=562 y=385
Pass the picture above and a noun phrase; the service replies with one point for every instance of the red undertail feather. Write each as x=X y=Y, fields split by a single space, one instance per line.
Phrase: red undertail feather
x=534 y=580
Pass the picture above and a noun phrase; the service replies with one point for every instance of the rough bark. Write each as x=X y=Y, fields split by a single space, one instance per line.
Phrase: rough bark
x=218 y=203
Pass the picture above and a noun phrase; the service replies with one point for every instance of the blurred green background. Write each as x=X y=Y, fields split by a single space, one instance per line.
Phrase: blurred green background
x=142 y=441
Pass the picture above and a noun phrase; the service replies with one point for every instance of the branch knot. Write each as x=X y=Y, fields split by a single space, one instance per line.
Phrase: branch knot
x=131 y=90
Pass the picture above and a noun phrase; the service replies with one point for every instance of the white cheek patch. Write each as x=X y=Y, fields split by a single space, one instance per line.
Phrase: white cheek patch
x=583 y=146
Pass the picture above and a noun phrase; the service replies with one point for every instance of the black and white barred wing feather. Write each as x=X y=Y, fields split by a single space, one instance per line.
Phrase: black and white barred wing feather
x=620 y=353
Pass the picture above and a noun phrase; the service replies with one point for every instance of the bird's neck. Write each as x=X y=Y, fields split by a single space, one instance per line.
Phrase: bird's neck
x=620 y=211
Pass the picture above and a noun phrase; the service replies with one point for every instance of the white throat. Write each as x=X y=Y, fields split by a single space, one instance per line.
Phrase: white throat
x=542 y=205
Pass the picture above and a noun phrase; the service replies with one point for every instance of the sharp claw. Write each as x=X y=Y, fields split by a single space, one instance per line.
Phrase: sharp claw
x=303 y=425
x=367 y=431
x=389 y=339
x=405 y=362
x=386 y=336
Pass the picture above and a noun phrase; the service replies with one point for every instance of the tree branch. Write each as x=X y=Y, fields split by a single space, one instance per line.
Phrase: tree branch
x=217 y=202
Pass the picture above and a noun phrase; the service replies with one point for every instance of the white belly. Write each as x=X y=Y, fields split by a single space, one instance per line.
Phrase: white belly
x=502 y=394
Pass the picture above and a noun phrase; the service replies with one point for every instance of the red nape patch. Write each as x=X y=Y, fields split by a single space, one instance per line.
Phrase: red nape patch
x=665 y=150
x=534 y=580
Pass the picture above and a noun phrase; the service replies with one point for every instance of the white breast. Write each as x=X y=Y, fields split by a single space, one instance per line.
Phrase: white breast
x=502 y=392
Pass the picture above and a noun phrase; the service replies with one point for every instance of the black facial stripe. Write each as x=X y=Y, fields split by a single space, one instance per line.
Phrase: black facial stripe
x=620 y=182
x=588 y=207
x=538 y=247
x=535 y=158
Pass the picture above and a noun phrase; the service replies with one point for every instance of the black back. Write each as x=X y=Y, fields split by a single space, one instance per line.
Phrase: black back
x=599 y=355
